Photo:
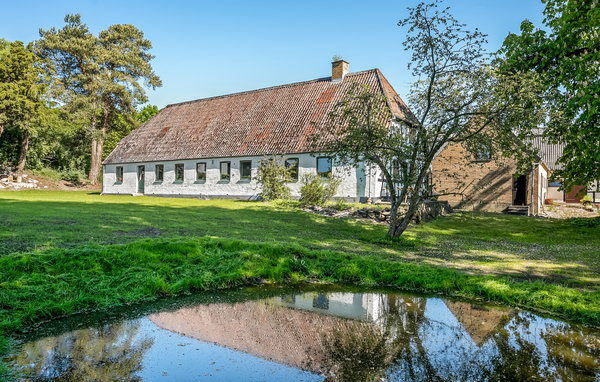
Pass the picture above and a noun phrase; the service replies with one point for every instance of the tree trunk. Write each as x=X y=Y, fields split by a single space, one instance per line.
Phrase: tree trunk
x=1 y=129
x=23 y=155
x=96 y=164
x=397 y=228
x=97 y=144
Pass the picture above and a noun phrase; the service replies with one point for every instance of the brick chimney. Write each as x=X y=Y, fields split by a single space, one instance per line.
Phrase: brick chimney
x=339 y=69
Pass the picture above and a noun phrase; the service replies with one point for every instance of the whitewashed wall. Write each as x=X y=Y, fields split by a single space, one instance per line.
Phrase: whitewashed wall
x=356 y=182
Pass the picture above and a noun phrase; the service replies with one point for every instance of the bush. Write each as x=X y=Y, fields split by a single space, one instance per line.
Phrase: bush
x=586 y=200
x=48 y=173
x=317 y=190
x=73 y=176
x=273 y=177
x=341 y=205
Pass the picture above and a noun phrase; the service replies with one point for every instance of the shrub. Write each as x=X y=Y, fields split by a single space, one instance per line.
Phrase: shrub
x=341 y=205
x=586 y=200
x=47 y=173
x=73 y=176
x=273 y=177
x=317 y=190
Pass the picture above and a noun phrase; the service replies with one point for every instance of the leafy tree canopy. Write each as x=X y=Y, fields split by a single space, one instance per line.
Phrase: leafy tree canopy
x=103 y=77
x=566 y=54
x=459 y=97
x=146 y=113
x=21 y=91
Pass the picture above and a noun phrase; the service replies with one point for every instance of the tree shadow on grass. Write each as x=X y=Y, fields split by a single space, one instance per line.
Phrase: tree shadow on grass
x=460 y=241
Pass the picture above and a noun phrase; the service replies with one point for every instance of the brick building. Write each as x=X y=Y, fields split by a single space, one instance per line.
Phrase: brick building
x=485 y=182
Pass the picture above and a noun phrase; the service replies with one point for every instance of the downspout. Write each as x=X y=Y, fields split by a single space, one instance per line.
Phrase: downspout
x=368 y=166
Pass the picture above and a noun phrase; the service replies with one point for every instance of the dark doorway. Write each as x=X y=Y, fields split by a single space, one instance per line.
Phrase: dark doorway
x=520 y=187
x=141 y=179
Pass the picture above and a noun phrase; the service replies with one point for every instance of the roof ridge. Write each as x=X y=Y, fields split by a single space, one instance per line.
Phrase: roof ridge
x=268 y=88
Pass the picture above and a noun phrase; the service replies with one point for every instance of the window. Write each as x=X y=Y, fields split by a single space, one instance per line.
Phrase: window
x=119 y=174
x=225 y=170
x=324 y=166
x=396 y=170
x=201 y=171
x=179 y=172
x=292 y=164
x=245 y=169
x=159 y=171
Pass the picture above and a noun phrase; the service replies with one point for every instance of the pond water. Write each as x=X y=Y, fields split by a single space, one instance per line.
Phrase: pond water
x=277 y=334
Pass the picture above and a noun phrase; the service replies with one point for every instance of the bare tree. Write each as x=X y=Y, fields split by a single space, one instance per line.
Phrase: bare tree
x=459 y=96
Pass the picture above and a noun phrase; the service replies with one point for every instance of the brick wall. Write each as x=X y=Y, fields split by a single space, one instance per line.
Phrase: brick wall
x=475 y=185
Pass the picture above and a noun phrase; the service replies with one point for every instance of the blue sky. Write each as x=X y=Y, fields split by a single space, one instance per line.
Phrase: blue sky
x=217 y=47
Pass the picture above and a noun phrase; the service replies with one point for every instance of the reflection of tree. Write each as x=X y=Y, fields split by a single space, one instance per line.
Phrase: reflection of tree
x=403 y=344
x=573 y=353
x=361 y=351
x=355 y=351
x=519 y=359
x=108 y=354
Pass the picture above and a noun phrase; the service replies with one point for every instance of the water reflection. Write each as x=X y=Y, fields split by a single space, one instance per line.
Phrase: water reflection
x=110 y=353
x=332 y=335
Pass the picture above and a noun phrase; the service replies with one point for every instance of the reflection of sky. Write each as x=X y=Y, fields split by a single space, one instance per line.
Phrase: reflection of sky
x=449 y=346
x=174 y=357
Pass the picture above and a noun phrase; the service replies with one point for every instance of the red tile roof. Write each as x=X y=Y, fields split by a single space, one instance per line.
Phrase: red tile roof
x=275 y=120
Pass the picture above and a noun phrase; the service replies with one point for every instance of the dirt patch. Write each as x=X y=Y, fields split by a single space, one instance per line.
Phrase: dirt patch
x=569 y=210
x=29 y=181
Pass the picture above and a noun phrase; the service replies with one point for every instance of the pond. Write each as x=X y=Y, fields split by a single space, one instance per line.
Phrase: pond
x=309 y=334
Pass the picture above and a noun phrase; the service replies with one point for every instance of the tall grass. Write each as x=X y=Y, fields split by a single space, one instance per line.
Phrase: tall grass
x=47 y=284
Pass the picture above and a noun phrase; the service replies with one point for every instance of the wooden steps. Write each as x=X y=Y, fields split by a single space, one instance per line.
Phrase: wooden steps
x=517 y=210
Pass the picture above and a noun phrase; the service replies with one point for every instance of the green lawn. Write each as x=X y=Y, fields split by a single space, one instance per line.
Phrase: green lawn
x=525 y=248
x=66 y=252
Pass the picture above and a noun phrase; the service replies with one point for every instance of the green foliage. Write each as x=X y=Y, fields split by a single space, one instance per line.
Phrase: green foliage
x=146 y=113
x=273 y=177
x=73 y=176
x=586 y=200
x=100 y=77
x=565 y=54
x=460 y=97
x=21 y=90
x=341 y=205
x=317 y=190
x=120 y=127
x=48 y=173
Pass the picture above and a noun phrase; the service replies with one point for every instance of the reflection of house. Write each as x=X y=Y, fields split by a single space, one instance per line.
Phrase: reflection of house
x=293 y=329
x=272 y=332
x=480 y=322
x=356 y=306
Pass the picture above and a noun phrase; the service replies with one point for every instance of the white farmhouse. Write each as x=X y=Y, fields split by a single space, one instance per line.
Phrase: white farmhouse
x=211 y=148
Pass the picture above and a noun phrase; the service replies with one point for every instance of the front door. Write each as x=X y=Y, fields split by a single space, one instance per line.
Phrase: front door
x=140 y=179
x=520 y=187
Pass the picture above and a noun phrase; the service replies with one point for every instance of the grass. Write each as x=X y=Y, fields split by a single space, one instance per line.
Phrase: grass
x=524 y=248
x=65 y=252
